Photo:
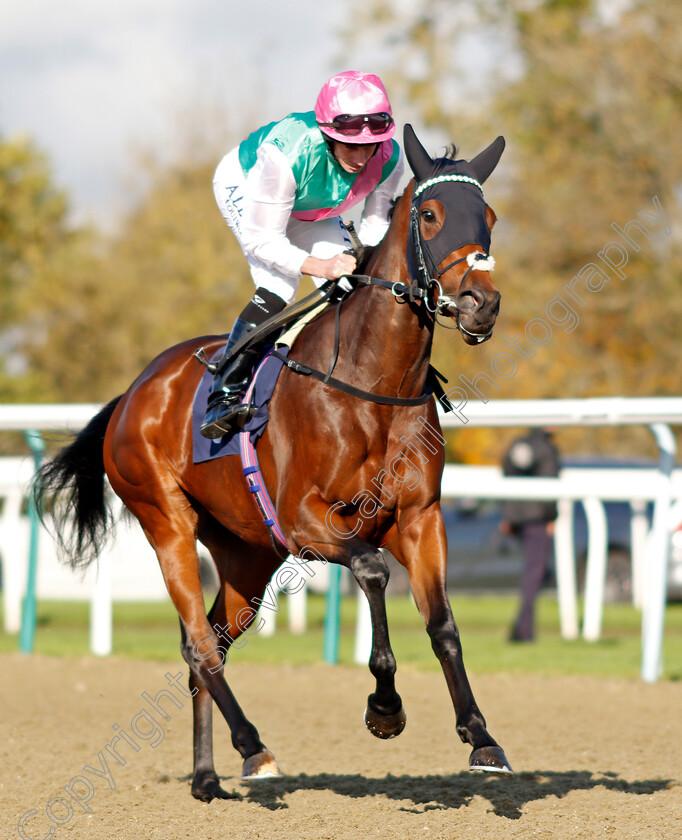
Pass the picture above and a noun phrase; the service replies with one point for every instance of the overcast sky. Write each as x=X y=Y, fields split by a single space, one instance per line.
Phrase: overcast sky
x=92 y=81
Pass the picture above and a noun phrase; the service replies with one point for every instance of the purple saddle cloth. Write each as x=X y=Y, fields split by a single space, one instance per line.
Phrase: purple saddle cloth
x=205 y=449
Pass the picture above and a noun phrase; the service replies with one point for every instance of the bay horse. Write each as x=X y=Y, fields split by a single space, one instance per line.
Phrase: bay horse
x=340 y=469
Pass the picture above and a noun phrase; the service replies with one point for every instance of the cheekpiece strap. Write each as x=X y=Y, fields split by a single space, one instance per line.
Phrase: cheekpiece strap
x=418 y=263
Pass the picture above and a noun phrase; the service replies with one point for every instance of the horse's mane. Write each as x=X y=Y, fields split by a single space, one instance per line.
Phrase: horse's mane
x=364 y=254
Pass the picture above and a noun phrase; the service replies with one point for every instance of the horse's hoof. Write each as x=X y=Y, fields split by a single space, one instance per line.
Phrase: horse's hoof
x=206 y=788
x=262 y=765
x=385 y=726
x=489 y=759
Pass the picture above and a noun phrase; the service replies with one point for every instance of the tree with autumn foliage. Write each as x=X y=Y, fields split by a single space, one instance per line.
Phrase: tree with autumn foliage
x=173 y=271
x=38 y=251
x=588 y=96
x=83 y=313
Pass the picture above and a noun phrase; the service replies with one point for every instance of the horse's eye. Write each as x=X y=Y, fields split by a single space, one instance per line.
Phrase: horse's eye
x=428 y=216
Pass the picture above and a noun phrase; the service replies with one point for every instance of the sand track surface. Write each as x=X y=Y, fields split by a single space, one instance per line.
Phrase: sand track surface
x=594 y=758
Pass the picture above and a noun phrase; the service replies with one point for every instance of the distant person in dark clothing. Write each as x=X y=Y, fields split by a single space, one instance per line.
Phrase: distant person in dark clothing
x=532 y=522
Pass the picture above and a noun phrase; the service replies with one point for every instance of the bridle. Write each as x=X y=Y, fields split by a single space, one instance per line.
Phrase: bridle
x=424 y=281
x=424 y=286
x=425 y=274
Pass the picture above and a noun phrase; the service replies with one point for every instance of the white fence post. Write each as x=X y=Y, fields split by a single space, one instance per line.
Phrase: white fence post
x=267 y=621
x=13 y=566
x=297 y=606
x=639 y=530
x=595 y=572
x=654 y=608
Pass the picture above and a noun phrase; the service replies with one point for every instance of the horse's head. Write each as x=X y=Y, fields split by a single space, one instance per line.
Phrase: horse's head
x=449 y=240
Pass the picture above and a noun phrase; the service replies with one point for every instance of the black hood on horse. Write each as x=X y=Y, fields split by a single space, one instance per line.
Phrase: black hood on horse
x=465 y=206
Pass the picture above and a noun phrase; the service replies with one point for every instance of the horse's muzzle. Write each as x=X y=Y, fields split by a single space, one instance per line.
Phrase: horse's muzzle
x=476 y=314
x=474 y=338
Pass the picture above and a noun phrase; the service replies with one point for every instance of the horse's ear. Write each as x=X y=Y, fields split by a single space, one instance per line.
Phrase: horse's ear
x=484 y=163
x=417 y=156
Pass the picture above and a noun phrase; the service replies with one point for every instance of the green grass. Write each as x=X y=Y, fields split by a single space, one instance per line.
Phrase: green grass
x=150 y=631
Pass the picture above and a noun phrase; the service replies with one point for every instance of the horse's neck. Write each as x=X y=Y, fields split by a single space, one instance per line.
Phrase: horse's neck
x=389 y=342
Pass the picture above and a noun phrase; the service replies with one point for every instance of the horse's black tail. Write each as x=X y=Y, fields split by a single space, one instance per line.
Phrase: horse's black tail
x=70 y=488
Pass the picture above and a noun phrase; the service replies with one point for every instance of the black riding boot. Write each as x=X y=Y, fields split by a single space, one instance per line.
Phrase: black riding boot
x=224 y=402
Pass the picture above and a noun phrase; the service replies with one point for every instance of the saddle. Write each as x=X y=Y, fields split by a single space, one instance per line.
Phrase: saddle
x=259 y=392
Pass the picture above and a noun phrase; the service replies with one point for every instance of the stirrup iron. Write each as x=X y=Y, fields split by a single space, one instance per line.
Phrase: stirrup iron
x=202 y=358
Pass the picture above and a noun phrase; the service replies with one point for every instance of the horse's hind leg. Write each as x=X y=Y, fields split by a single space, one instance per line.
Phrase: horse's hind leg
x=204 y=650
x=171 y=525
x=205 y=781
x=229 y=617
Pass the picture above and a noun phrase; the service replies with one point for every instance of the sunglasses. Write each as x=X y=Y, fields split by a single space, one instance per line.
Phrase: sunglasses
x=352 y=124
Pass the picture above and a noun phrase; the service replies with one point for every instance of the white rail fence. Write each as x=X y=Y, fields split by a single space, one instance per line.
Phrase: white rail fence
x=591 y=486
x=128 y=569
x=658 y=414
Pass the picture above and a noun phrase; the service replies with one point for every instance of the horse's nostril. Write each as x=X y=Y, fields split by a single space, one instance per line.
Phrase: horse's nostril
x=470 y=301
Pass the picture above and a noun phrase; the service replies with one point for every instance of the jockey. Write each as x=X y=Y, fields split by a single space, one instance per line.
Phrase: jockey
x=282 y=191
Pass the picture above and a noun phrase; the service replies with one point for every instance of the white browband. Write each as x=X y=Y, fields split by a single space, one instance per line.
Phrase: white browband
x=440 y=178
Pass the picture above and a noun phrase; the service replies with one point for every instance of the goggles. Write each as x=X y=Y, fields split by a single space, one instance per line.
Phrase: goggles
x=352 y=124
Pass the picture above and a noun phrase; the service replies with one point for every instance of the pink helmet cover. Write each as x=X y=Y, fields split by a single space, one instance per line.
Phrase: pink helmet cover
x=353 y=92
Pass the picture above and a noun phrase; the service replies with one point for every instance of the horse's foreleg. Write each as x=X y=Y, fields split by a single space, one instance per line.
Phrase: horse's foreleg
x=385 y=716
x=421 y=547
